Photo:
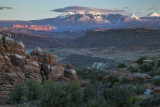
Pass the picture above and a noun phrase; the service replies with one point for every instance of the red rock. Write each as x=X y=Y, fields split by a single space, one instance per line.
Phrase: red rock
x=56 y=72
x=69 y=66
x=15 y=67
x=71 y=73
x=17 y=60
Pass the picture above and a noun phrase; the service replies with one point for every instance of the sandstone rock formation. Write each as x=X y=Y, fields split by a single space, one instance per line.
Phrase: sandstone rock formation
x=16 y=67
x=70 y=73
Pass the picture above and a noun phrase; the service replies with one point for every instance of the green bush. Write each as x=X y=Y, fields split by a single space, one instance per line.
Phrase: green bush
x=112 y=80
x=158 y=63
x=133 y=69
x=101 y=76
x=16 y=96
x=153 y=73
x=151 y=101
x=89 y=92
x=74 y=94
x=2 y=83
x=156 y=81
x=121 y=96
x=153 y=63
x=146 y=67
x=31 y=90
x=51 y=94
x=100 y=102
x=122 y=65
x=91 y=74
x=141 y=59
x=140 y=80
x=124 y=80
x=140 y=89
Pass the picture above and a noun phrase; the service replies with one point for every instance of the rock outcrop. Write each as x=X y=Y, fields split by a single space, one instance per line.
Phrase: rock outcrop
x=16 y=67
x=70 y=73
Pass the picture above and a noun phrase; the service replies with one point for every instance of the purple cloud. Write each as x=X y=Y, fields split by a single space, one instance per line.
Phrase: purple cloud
x=89 y=9
x=2 y=8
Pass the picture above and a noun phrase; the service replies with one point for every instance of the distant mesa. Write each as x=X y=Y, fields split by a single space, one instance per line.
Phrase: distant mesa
x=35 y=27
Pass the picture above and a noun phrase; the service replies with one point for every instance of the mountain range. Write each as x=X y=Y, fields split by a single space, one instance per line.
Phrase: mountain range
x=90 y=20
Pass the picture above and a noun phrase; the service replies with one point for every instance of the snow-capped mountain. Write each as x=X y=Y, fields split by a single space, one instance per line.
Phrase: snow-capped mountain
x=92 y=18
x=153 y=14
x=133 y=16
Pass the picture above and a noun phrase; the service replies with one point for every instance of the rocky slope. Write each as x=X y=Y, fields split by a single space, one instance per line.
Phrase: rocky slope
x=16 y=66
x=32 y=41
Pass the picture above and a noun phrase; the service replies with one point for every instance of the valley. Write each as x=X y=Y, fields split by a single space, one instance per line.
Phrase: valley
x=108 y=58
x=76 y=56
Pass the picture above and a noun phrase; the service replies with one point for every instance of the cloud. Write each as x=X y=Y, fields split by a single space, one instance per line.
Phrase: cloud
x=89 y=9
x=153 y=8
x=125 y=7
x=157 y=9
x=2 y=8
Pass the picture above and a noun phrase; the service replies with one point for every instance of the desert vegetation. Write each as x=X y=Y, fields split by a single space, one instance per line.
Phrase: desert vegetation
x=127 y=86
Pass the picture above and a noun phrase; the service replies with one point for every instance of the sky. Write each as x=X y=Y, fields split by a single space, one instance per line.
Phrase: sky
x=40 y=9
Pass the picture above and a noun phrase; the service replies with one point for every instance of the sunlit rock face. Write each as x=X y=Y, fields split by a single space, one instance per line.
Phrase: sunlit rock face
x=16 y=67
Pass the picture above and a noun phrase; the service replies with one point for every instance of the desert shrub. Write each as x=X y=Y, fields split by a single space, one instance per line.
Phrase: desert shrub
x=89 y=92
x=100 y=102
x=16 y=96
x=140 y=89
x=124 y=80
x=153 y=63
x=153 y=73
x=141 y=59
x=122 y=65
x=146 y=67
x=156 y=81
x=121 y=96
x=151 y=101
x=74 y=94
x=101 y=76
x=158 y=63
x=133 y=69
x=140 y=80
x=91 y=74
x=2 y=83
x=31 y=90
x=2 y=102
x=50 y=94
x=112 y=80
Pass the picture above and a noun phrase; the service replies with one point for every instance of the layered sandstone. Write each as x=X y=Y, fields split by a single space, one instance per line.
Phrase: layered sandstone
x=16 y=66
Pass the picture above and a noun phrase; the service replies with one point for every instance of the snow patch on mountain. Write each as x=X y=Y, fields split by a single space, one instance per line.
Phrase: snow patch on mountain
x=133 y=16
x=153 y=14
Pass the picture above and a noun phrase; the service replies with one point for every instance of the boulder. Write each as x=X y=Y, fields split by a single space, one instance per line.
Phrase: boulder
x=32 y=72
x=148 y=92
x=56 y=72
x=64 y=80
x=70 y=73
x=156 y=90
x=17 y=60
